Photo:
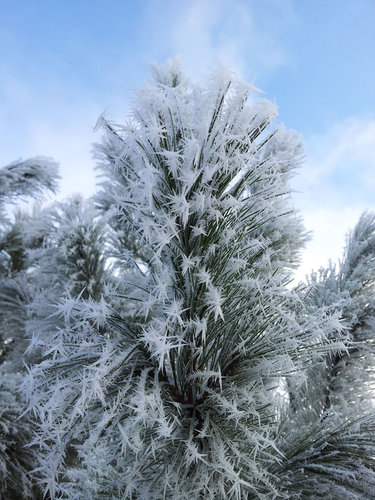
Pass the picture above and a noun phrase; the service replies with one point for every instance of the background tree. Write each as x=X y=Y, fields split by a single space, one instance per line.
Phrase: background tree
x=19 y=180
x=328 y=431
x=55 y=252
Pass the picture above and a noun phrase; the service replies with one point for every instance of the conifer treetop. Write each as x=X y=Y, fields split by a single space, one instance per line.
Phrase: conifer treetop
x=166 y=387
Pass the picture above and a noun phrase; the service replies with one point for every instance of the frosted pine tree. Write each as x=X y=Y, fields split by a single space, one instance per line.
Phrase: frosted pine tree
x=19 y=180
x=329 y=427
x=350 y=288
x=176 y=380
x=68 y=263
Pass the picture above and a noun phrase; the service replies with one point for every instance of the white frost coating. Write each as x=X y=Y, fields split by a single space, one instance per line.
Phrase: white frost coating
x=164 y=380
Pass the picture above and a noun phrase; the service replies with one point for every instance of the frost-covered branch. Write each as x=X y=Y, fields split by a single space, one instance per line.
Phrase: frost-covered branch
x=28 y=178
x=167 y=381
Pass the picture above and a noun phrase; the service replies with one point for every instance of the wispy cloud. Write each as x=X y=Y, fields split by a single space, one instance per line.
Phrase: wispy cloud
x=335 y=186
x=49 y=122
x=345 y=150
x=204 y=33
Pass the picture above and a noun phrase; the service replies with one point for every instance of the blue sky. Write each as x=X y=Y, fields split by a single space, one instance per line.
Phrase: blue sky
x=63 y=62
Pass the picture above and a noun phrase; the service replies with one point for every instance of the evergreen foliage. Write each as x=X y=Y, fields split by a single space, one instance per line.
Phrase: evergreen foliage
x=20 y=179
x=169 y=356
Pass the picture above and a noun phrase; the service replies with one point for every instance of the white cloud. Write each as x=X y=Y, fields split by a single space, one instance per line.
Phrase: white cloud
x=336 y=184
x=69 y=143
x=49 y=121
x=207 y=32
x=347 y=148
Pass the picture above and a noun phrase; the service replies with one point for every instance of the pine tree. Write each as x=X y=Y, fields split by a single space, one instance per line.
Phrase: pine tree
x=183 y=376
x=69 y=263
x=349 y=287
x=56 y=252
x=19 y=180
